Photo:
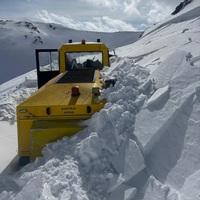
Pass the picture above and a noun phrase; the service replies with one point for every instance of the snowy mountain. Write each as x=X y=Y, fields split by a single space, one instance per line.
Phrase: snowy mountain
x=19 y=39
x=143 y=145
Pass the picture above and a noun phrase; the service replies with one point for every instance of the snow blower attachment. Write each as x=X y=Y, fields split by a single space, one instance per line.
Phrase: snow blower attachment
x=69 y=92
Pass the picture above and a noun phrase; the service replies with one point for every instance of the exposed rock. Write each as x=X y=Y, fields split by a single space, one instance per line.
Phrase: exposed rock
x=181 y=6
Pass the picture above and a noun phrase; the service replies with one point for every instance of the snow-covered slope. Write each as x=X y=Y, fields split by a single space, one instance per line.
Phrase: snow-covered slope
x=19 y=39
x=144 y=144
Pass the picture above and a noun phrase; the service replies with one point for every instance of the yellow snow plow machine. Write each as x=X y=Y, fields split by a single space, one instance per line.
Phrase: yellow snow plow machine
x=69 y=89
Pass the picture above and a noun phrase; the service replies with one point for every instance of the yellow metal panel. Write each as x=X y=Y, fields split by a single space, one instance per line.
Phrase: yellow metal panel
x=62 y=111
x=24 y=127
x=43 y=132
x=60 y=94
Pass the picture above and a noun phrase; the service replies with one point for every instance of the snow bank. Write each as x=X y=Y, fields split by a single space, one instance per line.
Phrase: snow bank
x=14 y=92
x=8 y=143
x=57 y=179
x=169 y=129
x=151 y=123
x=95 y=151
x=190 y=11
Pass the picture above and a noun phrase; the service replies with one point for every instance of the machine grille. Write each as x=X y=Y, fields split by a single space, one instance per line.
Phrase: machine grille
x=78 y=76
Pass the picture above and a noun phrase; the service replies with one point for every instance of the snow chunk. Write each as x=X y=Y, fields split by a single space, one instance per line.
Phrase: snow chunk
x=191 y=187
x=28 y=83
x=158 y=95
x=123 y=192
x=134 y=161
x=89 y=149
x=130 y=193
x=118 y=190
x=155 y=190
x=129 y=160
x=114 y=182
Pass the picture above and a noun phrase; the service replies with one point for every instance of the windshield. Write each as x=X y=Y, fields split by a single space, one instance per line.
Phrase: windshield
x=79 y=60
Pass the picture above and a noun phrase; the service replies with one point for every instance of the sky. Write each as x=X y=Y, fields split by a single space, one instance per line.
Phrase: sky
x=91 y=15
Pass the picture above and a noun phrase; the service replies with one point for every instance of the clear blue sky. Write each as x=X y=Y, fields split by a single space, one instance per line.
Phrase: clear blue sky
x=101 y=15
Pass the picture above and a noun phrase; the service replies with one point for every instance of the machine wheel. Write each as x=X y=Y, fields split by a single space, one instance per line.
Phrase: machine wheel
x=24 y=160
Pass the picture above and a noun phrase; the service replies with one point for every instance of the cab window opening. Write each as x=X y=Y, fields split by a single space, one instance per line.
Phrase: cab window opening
x=81 y=60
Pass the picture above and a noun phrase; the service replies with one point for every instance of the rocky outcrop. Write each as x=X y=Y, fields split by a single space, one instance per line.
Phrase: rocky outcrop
x=181 y=6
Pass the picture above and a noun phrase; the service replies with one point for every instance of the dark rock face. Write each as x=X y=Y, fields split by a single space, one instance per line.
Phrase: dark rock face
x=181 y=6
